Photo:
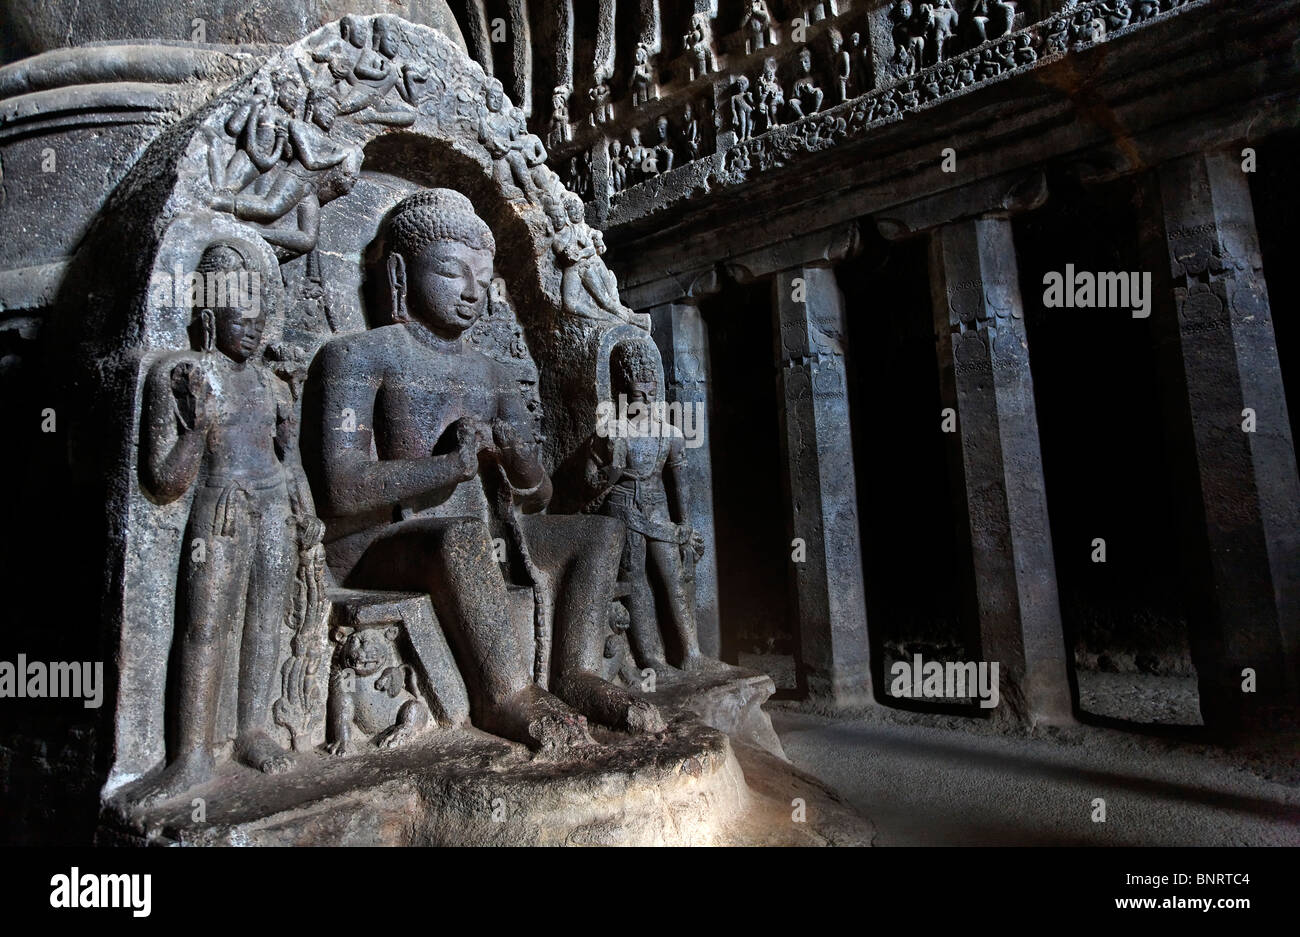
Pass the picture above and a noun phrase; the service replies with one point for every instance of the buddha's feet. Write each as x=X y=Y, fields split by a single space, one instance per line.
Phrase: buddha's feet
x=611 y=705
x=396 y=736
x=540 y=720
x=644 y=718
x=188 y=771
x=258 y=750
x=700 y=664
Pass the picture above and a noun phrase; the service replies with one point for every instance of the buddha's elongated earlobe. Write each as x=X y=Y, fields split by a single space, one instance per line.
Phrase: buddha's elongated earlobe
x=397 y=286
x=209 y=329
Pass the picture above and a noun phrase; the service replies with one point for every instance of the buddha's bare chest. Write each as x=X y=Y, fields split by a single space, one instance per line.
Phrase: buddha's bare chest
x=414 y=410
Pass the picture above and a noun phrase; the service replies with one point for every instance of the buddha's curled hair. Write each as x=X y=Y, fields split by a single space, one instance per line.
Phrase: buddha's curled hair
x=432 y=215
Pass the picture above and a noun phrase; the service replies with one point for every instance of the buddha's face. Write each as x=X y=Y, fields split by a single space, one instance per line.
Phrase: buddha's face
x=447 y=286
x=237 y=333
x=641 y=388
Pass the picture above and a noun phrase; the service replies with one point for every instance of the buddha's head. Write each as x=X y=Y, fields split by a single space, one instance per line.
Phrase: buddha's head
x=233 y=317
x=439 y=262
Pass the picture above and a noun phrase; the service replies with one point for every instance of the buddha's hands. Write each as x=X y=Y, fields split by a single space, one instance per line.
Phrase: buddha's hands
x=472 y=437
x=510 y=443
x=193 y=397
x=517 y=452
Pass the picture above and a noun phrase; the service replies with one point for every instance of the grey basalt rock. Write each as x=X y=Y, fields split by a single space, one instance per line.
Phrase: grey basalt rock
x=343 y=175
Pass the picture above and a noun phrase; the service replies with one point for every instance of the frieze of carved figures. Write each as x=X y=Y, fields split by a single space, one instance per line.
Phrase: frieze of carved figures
x=278 y=158
x=1076 y=24
x=277 y=161
x=642 y=83
x=698 y=43
x=274 y=168
x=757 y=26
x=367 y=72
x=637 y=162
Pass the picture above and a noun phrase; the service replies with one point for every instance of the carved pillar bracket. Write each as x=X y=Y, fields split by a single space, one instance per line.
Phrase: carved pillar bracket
x=1229 y=417
x=826 y=552
x=985 y=377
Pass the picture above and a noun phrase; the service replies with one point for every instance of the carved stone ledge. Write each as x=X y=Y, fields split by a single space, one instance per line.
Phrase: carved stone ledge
x=1025 y=49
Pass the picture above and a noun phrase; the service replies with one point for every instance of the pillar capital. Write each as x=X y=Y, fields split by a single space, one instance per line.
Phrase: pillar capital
x=1001 y=195
x=816 y=249
x=676 y=287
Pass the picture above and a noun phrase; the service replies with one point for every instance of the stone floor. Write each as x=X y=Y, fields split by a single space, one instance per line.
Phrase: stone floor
x=946 y=785
x=1140 y=697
